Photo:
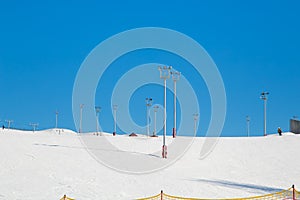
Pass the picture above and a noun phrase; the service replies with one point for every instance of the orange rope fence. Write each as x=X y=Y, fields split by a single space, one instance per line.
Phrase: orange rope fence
x=291 y=194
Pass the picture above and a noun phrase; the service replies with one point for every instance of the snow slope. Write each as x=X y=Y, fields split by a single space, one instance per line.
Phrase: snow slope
x=47 y=165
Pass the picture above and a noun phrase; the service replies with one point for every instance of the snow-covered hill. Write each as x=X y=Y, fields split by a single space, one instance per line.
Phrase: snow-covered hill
x=48 y=164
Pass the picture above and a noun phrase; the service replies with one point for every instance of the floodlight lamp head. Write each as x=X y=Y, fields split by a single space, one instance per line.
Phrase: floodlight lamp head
x=175 y=75
x=148 y=101
x=98 y=109
x=167 y=67
x=165 y=72
x=264 y=93
x=196 y=116
x=155 y=108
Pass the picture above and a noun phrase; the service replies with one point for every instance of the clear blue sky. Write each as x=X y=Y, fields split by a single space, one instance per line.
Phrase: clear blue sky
x=255 y=45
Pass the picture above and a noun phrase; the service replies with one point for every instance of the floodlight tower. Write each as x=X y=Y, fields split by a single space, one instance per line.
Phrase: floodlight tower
x=9 y=122
x=165 y=74
x=115 y=107
x=248 y=125
x=175 y=77
x=34 y=126
x=264 y=97
x=97 y=109
x=196 y=116
x=56 y=119
x=155 y=108
x=148 y=104
x=80 y=122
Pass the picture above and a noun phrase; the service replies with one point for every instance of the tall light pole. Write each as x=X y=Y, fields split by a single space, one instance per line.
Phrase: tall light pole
x=148 y=104
x=155 y=108
x=264 y=97
x=97 y=109
x=196 y=116
x=80 y=122
x=34 y=126
x=9 y=122
x=115 y=107
x=165 y=74
x=248 y=125
x=56 y=119
x=175 y=77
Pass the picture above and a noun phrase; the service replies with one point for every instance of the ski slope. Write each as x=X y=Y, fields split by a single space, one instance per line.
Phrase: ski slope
x=48 y=164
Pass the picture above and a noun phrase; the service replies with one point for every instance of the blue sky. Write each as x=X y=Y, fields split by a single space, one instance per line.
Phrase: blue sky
x=254 y=44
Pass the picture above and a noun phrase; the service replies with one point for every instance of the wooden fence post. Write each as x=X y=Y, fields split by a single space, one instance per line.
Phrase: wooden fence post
x=294 y=196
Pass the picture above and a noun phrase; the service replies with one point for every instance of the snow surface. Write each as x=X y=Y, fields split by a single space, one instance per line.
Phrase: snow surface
x=48 y=164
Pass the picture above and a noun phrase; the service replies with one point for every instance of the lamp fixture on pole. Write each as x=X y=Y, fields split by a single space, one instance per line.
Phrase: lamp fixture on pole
x=165 y=74
x=264 y=97
x=175 y=77
x=148 y=104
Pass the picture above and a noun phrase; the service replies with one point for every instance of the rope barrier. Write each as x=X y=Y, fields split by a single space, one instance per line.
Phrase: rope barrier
x=290 y=193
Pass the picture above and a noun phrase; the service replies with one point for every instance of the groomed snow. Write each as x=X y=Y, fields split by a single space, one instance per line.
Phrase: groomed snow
x=48 y=164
